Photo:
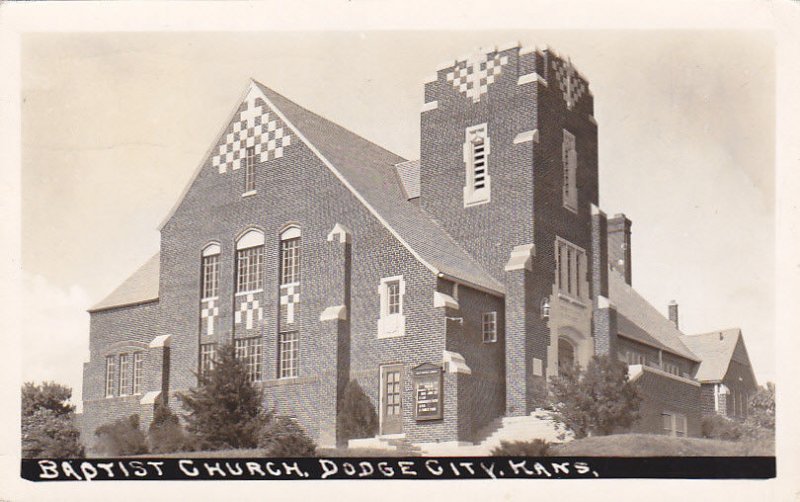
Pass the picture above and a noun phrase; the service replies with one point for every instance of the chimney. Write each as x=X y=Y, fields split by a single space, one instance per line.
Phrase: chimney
x=619 y=245
x=673 y=312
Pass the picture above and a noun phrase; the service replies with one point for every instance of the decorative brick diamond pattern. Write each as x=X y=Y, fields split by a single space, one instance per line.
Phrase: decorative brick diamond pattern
x=472 y=77
x=571 y=84
x=249 y=310
x=208 y=315
x=255 y=127
x=290 y=300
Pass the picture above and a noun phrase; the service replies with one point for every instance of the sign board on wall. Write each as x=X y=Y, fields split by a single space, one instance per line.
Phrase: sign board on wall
x=428 y=399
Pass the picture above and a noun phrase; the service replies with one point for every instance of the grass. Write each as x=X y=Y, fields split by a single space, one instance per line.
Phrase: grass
x=257 y=453
x=648 y=445
x=619 y=445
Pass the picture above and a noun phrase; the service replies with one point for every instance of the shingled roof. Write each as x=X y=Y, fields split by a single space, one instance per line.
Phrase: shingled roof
x=369 y=171
x=140 y=287
x=640 y=321
x=716 y=349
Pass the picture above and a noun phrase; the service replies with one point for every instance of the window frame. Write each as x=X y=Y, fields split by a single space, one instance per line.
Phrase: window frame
x=290 y=260
x=288 y=354
x=138 y=369
x=392 y=320
x=209 y=266
x=569 y=161
x=474 y=194
x=251 y=352
x=573 y=258
x=489 y=327
x=250 y=170
x=111 y=375
x=207 y=356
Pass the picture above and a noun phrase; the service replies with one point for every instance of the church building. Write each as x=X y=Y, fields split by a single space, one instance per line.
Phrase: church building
x=451 y=287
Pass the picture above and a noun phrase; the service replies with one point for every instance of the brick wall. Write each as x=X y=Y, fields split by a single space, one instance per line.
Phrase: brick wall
x=662 y=394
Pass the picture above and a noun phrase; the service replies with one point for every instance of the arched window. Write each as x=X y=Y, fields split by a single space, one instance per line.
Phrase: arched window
x=249 y=261
x=566 y=355
x=290 y=255
x=210 y=271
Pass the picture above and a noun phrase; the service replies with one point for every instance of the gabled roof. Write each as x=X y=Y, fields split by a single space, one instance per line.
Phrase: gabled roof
x=716 y=349
x=369 y=171
x=640 y=321
x=140 y=287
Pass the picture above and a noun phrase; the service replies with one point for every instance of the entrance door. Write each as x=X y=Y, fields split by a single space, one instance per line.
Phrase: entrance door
x=391 y=399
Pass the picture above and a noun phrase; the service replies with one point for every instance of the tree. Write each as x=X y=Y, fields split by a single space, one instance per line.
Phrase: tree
x=120 y=438
x=596 y=400
x=761 y=409
x=224 y=410
x=357 y=417
x=49 y=395
x=165 y=434
x=47 y=422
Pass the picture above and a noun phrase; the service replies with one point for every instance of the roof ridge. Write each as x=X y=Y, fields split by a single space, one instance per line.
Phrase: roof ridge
x=326 y=119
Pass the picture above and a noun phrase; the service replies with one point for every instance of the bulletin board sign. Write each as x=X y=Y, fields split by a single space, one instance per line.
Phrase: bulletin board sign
x=428 y=399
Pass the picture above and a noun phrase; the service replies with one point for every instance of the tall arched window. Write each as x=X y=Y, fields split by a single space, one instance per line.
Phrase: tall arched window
x=290 y=255
x=210 y=272
x=249 y=261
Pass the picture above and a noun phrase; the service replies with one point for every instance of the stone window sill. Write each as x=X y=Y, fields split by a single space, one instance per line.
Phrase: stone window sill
x=249 y=194
x=572 y=300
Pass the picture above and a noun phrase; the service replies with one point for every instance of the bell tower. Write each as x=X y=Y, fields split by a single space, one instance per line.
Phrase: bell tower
x=508 y=166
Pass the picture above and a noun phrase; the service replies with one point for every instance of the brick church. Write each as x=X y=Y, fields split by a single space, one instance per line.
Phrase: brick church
x=450 y=287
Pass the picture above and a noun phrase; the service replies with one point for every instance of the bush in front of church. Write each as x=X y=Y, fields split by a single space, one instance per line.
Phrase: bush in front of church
x=284 y=437
x=166 y=435
x=598 y=400
x=357 y=417
x=225 y=410
x=534 y=448
x=121 y=438
x=48 y=429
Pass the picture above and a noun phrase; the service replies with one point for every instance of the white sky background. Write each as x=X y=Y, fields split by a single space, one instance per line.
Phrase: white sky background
x=113 y=125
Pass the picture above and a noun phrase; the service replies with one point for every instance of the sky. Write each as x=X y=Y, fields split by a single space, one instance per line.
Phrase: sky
x=113 y=126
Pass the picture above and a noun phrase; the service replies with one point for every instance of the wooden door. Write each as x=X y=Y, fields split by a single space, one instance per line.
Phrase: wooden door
x=391 y=399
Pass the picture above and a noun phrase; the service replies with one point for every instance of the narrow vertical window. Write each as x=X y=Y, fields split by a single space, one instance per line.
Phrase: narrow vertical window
x=489 y=327
x=288 y=352
x=569 y=266
x=290 y=260
x=111 y=368
x=392 y=321
x=208 y=352
x=124 y=374
x=569 y=159
x=210 y=276
x=476 y=160
x=249 y=351
x=249 y=261
x=250 y=170
x=137 y=372
x=393 y=297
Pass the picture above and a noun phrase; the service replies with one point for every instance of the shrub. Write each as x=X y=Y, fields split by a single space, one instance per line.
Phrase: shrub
x=47 y=422
x=598 y=400
x=357 y=417
x=761 y=408
x=165 y=434
x=534 y=448
x=121 y=438
x=48 y=435
x=719 y=427
x=283 y=437
x=225 y=410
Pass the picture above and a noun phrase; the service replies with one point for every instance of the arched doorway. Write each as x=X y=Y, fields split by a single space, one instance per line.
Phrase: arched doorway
x=566 y=355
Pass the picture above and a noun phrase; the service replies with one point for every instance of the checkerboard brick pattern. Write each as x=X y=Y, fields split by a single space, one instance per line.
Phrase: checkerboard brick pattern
x=255 y=127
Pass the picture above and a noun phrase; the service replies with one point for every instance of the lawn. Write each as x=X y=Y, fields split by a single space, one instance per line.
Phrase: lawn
x=648 y=445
